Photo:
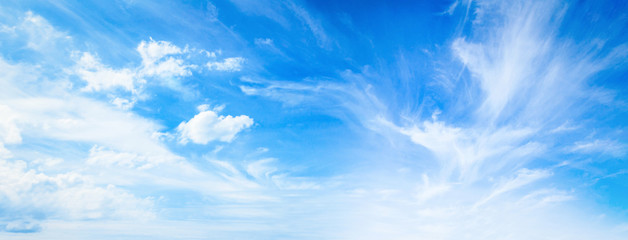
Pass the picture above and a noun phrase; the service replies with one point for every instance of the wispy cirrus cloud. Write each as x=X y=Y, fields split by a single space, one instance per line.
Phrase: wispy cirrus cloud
x=524 y=79
x=599 y=146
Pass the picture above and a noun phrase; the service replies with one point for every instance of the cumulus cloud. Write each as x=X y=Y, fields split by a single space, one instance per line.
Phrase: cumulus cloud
x=157 y=60
x=208 y=126
x=99 y=77
x=152 y=51
x=161 y=61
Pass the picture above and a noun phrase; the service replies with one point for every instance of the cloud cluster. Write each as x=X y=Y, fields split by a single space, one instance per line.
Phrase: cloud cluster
x=163 y=63
x=53 y=175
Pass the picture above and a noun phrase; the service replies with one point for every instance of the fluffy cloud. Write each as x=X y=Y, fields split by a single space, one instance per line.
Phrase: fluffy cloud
x=157 y=60
x=161 y=61
x=208 y=126
x=153 y=51
x=99 y=77
x=67 y=195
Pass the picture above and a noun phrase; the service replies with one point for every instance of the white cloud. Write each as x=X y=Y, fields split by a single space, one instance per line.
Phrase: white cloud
x=156 y=63
x=9 y=132
x=525 y=71
x=121 y=103
x=69 y=195
x=168 y=68
x=153 y=51
x=100 y=77
x=470 y=154
x=260 y=169
x=208 y=126
x=50 y=126
x=523 y=177
x=161 y=60
x=263 y=41
x=86 y=120
x=102 y=156
x=450 y=10
x=281 y=12
x=232 y=64
x=41 y=35
x=270 y=9
x=477 y=181
x=609 y=147
x=313 y=24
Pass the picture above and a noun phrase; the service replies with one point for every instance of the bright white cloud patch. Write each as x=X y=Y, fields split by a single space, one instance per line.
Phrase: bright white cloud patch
x=153 y=51
x=208 y=126
x=161 y=61
x=99 y=77
x=157 y=59
x=68 y=195
x=233 y=64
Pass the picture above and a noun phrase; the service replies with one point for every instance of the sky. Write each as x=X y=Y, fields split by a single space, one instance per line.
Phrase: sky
x=289 y=119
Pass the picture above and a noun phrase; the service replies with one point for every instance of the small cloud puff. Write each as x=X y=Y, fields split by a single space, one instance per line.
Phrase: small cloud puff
x=263 y=41
x=155 y=62
x=154 y=50
x=208 y=126
x=233 y=64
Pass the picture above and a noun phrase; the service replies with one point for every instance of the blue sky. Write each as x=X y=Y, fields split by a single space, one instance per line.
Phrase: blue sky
x=292 y=119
